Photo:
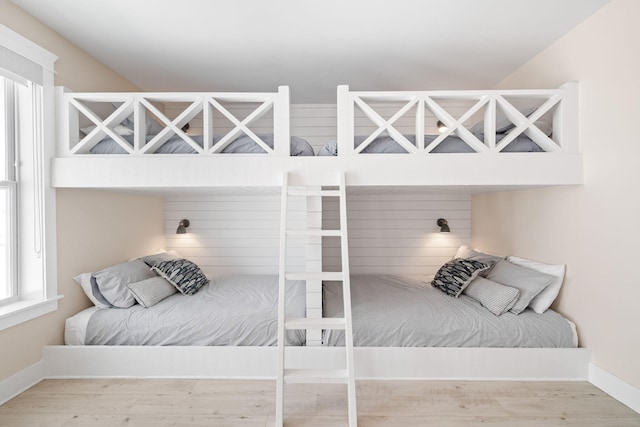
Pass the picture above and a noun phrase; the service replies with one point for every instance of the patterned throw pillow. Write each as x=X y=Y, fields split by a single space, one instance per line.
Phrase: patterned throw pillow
x=456 y=275
x=183 y=274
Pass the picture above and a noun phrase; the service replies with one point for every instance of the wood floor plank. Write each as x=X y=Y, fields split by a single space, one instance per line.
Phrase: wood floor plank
x=189 y=402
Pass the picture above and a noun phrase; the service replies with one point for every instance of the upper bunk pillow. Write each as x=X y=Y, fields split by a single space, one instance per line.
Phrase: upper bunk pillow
x=153 y=127
x=456 y=275
x=183 y=274
x=119 y=130
x=544 y=299
x=112 y=281
x=503 y=124
x=529 y=282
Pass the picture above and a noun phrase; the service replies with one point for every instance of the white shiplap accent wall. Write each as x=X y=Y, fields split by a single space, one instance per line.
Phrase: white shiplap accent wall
x=397 y=233
x=232 y=234
x=388 y=233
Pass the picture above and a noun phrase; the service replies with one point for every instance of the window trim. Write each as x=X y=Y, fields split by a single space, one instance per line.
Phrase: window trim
x=32 y=304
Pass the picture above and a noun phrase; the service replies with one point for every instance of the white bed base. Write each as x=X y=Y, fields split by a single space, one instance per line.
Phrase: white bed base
x=488 y=169
x=435 y=363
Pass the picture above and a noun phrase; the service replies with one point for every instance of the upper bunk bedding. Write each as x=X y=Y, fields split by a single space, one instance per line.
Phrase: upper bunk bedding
x=176 y=145
x=403 y=311
x=451 y=144
x=229 y=311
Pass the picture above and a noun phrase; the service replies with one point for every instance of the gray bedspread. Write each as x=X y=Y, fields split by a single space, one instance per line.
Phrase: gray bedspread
x=231 y=311
x=176 y=145
x=451 y=144
x=399 y=311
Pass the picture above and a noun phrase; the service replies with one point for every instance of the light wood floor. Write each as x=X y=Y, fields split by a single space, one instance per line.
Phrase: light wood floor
x=136 y=402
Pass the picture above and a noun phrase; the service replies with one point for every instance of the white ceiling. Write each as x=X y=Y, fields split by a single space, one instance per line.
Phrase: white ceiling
x=312 y=46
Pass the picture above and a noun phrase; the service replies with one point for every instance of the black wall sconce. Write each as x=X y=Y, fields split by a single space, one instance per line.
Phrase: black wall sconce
x=182 y=226
x=444 y=225
x=441 y=126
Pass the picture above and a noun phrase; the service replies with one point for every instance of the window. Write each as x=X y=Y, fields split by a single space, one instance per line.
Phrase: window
x=8 y=187
x=27 y=218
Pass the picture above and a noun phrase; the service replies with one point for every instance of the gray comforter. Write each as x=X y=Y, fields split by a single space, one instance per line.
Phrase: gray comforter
x=398 y=311
x=238 y=310
x=176 y=145
x=451 y=144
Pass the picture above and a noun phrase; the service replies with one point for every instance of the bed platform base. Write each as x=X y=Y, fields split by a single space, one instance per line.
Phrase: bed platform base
x=504 y=364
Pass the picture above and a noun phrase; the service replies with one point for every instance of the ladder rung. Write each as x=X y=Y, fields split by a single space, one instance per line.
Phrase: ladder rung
x=320 y=275
x=314 y=232
x=316 y=323
x=326 y=193
x=316 y=376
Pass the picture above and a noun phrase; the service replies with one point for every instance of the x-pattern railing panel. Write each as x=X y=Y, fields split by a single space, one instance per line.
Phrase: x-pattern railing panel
x=486 y=102
x=138 y=104
x=386 y=125
x=102 y=127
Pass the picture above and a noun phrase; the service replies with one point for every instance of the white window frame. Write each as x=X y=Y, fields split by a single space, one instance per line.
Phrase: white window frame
x=10 y=184
x=34 y=198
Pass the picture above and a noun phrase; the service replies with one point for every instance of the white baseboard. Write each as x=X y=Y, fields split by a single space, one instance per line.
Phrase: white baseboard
x=21 y=381
x=525 y=364
x=615 y=387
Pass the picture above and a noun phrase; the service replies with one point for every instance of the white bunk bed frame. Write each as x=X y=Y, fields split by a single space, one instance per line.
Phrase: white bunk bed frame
x=488 y=169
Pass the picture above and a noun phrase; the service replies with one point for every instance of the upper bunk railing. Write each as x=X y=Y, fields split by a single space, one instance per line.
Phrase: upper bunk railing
x=419 y=111
x=116 y=115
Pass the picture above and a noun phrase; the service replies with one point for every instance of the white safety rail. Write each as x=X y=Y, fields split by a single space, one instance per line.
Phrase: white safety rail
x=109 y=114
x=558 y=108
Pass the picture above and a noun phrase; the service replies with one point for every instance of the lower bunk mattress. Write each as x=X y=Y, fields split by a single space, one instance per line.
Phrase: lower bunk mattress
x=406 y=311
x=229 y=311
x=388 y=311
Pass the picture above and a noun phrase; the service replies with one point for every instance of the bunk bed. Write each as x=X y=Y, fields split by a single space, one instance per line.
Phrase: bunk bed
x=473 y=152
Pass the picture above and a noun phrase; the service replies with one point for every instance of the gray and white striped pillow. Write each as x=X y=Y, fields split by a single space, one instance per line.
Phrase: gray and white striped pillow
x=151 y=291
x=493 y=296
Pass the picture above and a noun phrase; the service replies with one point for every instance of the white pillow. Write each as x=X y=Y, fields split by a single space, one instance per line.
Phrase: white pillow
x=544 y=299
x=466 y=252
x=119 y=130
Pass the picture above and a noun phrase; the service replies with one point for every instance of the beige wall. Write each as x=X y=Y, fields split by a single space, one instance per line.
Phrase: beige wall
x=94 y=228
x=592 y=228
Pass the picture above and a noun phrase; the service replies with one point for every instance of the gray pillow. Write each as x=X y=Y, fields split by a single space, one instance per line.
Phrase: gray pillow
x=183 y=274
x=154 y=259
x=503 y=124
x=456 y=274
x=112 y=281
x=151 y=291
x=467 y=253
x=493 y=296
x=529 y=282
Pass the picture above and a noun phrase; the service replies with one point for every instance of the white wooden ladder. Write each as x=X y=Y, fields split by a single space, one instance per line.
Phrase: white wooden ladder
x=345 y=375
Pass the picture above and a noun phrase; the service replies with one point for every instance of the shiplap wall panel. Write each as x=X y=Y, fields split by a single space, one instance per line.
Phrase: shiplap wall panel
x=234 y=234
x=391 y=234
x=388 y=233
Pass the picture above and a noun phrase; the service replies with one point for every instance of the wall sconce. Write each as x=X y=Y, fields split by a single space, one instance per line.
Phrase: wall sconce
x=185 y=128
x=444 y=225
x=182 y=226
x=441 y=126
